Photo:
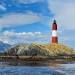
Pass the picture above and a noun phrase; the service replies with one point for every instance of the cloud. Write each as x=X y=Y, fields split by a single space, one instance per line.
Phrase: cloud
x=20 y=34
x=12 y=37
x=16 y=19
x=64 y=12
x=29 y=1
x=2 y=7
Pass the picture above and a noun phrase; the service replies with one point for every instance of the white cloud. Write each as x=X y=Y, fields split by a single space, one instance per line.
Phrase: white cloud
x=20 y=34
x=2 y=7
x=29 y=1
x=16 y=19
x=64 y=11
x=11 y=37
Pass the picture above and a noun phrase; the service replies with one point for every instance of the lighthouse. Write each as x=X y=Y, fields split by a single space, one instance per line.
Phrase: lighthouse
x=54 y=32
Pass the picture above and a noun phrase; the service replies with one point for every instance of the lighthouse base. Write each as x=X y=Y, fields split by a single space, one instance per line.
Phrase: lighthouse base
x=54 y=39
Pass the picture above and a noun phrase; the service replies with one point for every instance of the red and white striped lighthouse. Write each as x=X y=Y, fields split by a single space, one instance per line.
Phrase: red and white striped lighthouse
x=54 y=32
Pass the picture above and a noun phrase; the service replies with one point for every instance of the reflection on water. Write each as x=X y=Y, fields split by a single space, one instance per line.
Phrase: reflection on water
x=34 y=63
x=37 y=68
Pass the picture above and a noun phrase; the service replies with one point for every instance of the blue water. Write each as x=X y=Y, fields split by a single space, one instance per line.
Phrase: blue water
x=28 y=71
x=50 y=69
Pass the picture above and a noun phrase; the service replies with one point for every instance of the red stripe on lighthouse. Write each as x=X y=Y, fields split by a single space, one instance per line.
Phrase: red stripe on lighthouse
x=54 y=39
x=54 y=33
x=54 y=27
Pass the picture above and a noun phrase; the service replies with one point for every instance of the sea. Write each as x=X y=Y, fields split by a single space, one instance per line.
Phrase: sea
x=37 y=67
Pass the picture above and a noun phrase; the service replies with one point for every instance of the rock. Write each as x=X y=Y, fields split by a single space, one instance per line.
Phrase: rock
x=40 y=50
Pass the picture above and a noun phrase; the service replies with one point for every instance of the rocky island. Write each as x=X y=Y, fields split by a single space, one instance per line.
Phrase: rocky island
x=35 y=51
x=52 y=49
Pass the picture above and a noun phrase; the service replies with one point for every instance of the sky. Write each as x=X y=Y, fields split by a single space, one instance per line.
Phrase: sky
x=30 y=21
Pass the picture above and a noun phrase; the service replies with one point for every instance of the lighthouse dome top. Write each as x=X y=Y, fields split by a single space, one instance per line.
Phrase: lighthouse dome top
x=54 y=21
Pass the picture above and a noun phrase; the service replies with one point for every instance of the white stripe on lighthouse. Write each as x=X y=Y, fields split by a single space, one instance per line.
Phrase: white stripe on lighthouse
x=54 y=33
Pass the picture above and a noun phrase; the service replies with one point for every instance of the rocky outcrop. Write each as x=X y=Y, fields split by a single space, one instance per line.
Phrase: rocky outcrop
x=27 y=49
x=38 y=49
